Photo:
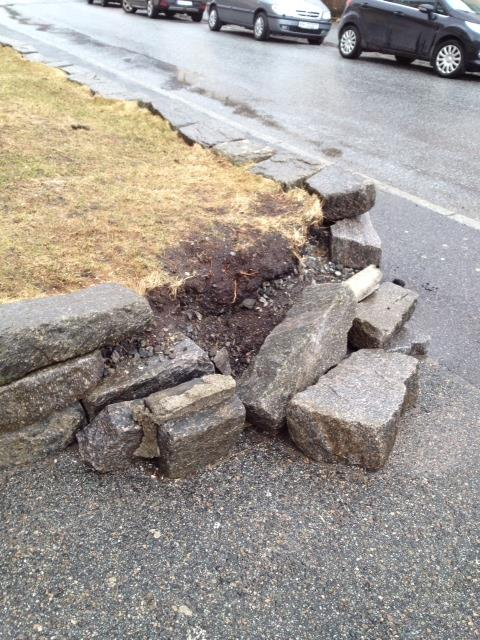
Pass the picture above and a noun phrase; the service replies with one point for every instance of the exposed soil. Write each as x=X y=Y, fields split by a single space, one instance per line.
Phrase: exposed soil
x=237 y=296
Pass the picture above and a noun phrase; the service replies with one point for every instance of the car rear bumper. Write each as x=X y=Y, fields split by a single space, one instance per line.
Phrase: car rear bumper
x=194 y=7
x=290 y=27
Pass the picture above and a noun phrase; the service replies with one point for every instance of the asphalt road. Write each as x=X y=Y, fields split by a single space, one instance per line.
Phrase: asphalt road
x=266 y=546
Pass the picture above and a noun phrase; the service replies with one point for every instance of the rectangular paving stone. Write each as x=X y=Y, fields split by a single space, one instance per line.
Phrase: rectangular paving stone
x=208 y=134
x=343 y=194
x=244 y=151
x=43 y=438
x=311 y=340
x=37 y=333
x=380 y=316
x=354 y=243
x=39 y=394
x=289 y=171
x=150 y=375
x=351 y=415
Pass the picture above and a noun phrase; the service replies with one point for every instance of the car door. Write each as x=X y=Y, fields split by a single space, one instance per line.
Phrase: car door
x=374 y=23
x=413 y=31
x=242 y=12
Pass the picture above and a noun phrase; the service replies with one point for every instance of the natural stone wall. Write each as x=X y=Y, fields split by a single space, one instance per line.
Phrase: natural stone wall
x=50 y=360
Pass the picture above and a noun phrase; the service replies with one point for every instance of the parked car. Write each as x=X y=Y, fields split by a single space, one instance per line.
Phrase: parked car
x=445 y=33
x=193 y=8
x=308 y=19
x=105 y=3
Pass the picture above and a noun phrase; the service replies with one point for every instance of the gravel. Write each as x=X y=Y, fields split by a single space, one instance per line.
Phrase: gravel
x=265 y=545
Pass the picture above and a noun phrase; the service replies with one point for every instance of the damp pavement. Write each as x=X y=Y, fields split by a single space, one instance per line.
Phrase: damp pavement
x=264 y=545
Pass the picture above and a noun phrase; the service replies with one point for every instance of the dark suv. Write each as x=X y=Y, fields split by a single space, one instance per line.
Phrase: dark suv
x=446 y=33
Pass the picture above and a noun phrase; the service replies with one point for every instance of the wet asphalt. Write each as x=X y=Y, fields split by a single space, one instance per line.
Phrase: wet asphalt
x=267 y=545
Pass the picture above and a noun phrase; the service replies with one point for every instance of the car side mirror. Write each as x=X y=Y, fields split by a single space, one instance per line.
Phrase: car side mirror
x=427 y=8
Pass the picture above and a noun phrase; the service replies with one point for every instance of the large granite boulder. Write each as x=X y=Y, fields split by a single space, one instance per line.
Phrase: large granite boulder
x=311 y=340
x=343 y=194
x=140 y=379
x=351 y=415
x=40 y=332
x=355 y=243
x=42 y=438
x=196 y=423
x=380 y=316
x=110 y=440
x=39 y=394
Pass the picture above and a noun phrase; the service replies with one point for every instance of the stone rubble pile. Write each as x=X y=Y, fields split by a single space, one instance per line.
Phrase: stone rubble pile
x=50 y=359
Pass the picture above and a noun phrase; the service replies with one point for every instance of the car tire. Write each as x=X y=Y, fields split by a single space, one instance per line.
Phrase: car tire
x=104 y=3
x=127 y=7
x=261 y=30
x=449 y=59
x=152 y=10
x=197 y=17
x=214 y=23
x=316 y=41
x=349 y=42
x=90 y=1
x=405 y=60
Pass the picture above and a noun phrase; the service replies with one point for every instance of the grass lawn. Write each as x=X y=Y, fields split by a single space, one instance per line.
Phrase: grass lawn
x=105 y=201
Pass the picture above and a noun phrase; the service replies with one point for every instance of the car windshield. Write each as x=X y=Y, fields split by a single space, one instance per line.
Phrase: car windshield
x=469 y=6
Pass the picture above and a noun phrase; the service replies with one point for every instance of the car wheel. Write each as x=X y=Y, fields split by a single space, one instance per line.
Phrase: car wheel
x=127 y=7
x=261 y=30
x=315 y=40
x=214 y=19
x=197 y=17
x=404 y=60
x=104 y=3
x=152 y=10
x=449 y=59
x=90 y=1
x=349 y=42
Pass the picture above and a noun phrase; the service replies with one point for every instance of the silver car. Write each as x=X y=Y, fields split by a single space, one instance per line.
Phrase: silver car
x=309 y=19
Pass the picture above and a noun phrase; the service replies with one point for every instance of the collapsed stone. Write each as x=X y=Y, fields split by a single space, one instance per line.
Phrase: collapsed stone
x=37 y=333
x=355 y=243
x=42 y=438
x=110 y=440
x=196 y=423
x=138 y=380
x=343 y=194
x=39 y=394
x=311 y=340
x=351 y=415
x=380 y=316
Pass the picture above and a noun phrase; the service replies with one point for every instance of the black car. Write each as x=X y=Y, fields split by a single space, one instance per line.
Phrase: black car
x=445 y=33
x=193 y=8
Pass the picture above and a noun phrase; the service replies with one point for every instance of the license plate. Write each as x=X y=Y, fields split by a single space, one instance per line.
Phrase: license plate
x=312 y=26
x=185 y=3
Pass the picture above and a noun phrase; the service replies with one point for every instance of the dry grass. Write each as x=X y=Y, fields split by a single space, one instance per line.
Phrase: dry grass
x=83 y=206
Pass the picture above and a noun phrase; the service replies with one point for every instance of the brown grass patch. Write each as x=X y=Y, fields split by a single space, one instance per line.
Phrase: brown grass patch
x=105 y=201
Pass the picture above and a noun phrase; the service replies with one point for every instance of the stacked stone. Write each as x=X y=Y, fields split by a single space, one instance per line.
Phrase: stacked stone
x=346 y=202
x=50 y=359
